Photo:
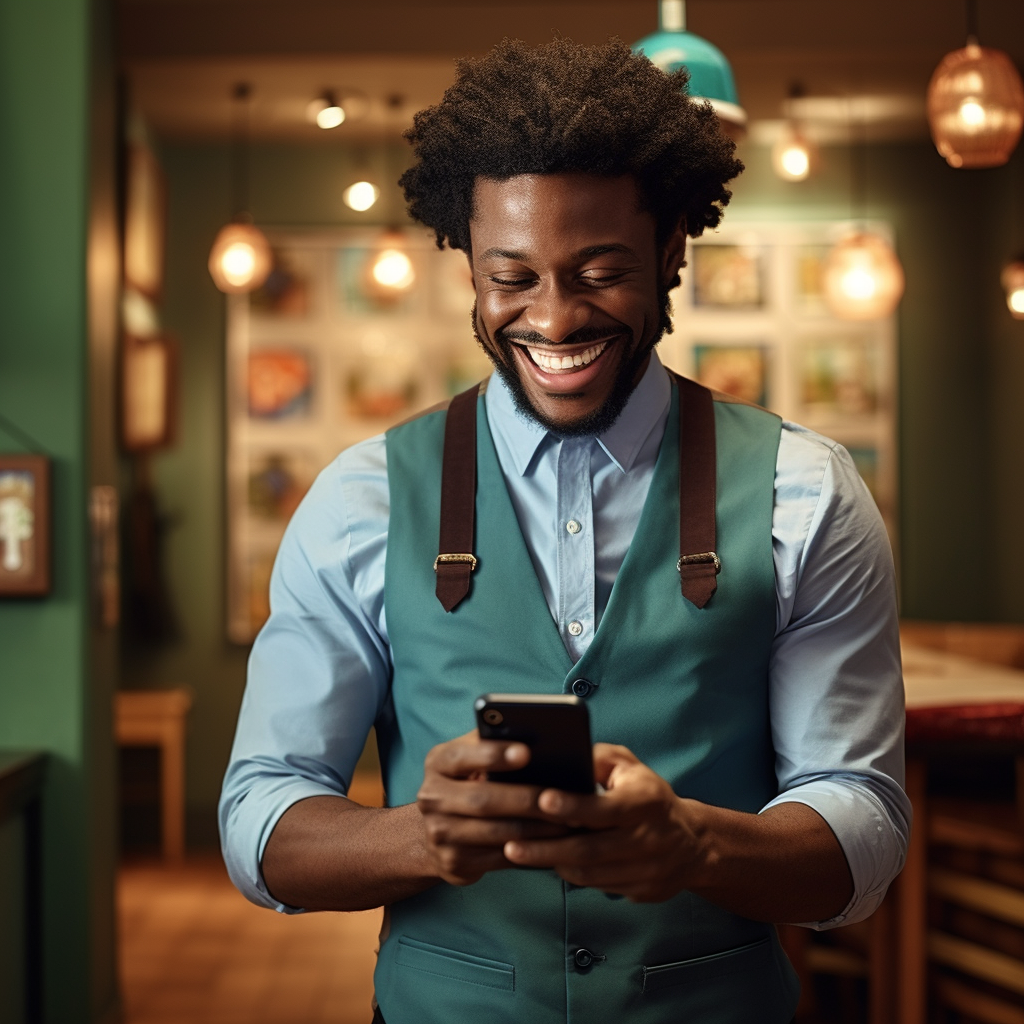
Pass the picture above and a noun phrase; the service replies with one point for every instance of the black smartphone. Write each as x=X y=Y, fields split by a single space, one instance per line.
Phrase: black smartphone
x=556 y=728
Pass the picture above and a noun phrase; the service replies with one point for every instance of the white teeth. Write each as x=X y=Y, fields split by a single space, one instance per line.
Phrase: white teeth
x=553 y=361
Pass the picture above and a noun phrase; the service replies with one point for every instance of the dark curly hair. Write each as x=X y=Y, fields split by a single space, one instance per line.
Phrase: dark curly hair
x=564 y=107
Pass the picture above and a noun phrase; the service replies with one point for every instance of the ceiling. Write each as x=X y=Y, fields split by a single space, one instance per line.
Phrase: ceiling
x=182 y=57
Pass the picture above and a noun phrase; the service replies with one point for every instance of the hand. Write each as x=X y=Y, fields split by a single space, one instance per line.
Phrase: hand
x=643 y=843
x=469 y=820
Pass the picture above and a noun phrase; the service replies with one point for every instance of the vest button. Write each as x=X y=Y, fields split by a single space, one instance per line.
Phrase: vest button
x=582 y=688
x=584 y=958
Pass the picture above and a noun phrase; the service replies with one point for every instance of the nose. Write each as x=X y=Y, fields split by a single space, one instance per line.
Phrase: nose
x=556 y=311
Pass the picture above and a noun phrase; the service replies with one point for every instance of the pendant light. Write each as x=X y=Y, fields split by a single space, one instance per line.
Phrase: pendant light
x=975 y=103
x=390 y=270
x=711 y=78
x=1012 y=280
x=863 y=277
x=794 y=155
x=240 y=259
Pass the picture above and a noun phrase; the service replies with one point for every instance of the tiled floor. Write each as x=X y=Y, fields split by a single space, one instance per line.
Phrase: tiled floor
x=193 y=951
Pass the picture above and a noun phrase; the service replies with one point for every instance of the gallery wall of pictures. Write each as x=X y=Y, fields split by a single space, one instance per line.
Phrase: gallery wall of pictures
x=322 y=357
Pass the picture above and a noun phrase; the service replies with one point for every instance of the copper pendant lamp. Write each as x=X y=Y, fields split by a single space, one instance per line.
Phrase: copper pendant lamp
x=975 y=103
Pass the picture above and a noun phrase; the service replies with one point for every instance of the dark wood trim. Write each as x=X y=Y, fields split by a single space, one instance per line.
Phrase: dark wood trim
x=21 y=789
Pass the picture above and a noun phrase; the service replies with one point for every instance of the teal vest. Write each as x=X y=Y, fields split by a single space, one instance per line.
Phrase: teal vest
x=684 y=688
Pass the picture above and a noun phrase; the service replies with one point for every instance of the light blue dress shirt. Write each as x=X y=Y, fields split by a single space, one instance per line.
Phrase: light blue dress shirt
x=320 y=668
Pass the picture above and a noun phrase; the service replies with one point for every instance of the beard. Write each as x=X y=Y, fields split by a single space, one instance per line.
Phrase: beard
x=627 y=376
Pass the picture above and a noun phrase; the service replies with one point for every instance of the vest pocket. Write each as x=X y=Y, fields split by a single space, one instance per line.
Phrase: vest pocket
x=450 y=963
x=753 y=958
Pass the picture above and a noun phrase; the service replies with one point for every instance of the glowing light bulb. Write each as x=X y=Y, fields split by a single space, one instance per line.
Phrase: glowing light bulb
x=858 y=283
x=240 y=259
x=330 y=116
x=393 y=269
x=361 y=195
x=793 y=156
x=863 y=278
x=1013 y=281
x=796 y=162
x=972 y=113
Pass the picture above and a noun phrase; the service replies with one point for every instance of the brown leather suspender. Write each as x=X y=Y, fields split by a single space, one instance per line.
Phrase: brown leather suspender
x=456 y=560
x=698 y=564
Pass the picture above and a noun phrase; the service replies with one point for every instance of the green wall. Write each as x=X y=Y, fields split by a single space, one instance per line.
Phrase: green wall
x=58 y=268
x=961 y=369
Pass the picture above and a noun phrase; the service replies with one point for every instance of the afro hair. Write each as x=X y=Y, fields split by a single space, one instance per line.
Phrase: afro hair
x=560 y=108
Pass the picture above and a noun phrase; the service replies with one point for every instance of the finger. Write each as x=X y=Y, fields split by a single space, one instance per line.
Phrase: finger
x=595 y=812
x=608 y=757
x=454 y=830
x=462 y=757
x=477 y=798
x=464 y=865
x=575 y=851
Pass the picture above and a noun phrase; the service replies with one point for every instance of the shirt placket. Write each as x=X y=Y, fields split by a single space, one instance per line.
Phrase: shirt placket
x=575 y=531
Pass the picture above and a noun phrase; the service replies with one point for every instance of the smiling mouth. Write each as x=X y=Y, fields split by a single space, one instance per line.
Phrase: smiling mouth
x=554 y=362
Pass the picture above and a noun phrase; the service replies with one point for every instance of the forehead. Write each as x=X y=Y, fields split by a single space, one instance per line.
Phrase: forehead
x=530 y=211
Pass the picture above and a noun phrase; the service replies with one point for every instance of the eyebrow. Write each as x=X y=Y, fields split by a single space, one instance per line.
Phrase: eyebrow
x=589 y=252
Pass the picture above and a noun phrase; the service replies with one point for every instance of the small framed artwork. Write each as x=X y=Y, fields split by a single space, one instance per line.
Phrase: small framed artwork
x=278 y=480
x=24 y=525
x=148 y=392
x=728 y=277
x=280 y=384
x=839 y=376
x=739 y=370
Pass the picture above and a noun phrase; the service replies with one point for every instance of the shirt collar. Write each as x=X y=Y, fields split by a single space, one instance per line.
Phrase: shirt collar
x=646 y=410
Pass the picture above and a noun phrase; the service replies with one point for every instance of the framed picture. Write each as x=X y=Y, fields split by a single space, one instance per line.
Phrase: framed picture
x=739 y=370
x=145 y=217
x=839 y=376
x=148 y=392
x=24 y=525
x=727 y=277
x=280 y=384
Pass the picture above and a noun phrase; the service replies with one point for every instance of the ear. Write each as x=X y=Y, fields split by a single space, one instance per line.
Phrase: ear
x=673 y=254
x=469 y=268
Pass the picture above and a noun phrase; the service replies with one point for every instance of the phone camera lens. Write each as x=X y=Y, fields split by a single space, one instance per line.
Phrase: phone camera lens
x=493 y=717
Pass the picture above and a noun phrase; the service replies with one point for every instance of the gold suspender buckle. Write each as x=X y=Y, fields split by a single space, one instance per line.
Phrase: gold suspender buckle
x=704 y=558
x=463 y=559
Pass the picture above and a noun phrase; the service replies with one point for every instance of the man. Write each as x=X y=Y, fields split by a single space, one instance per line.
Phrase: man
x=744 y=691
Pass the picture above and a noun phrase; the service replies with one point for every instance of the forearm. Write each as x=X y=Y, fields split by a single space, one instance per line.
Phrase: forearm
x=784 y=865
x=328 y=853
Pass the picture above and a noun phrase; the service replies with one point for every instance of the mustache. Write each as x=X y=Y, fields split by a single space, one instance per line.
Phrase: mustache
x=581 y=337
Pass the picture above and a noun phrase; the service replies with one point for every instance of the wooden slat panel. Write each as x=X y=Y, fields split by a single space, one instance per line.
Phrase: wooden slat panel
x=988 y=897
x=977 y=1005
x=976 y=960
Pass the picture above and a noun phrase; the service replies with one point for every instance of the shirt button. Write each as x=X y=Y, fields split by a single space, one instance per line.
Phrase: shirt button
x=582 y=687
x=584 y=958
x=575 y=628
x=573 y=527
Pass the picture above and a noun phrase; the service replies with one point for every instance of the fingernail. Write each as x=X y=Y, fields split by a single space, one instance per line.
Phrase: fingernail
x=515 y=752
x=513 y=850
x=550 y=802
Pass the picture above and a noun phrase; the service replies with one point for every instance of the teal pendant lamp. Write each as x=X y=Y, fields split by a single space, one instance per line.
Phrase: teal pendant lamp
x=711 y=78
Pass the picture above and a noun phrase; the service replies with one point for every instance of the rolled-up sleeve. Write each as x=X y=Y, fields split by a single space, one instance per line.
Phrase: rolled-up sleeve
x=319 y=669
x=836 y=684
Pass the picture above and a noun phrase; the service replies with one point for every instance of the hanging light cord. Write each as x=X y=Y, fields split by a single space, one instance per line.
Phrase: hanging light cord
x=239 y=154
x=971 y=15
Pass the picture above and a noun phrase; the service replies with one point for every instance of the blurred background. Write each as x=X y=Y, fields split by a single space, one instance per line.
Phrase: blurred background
x=209 y=286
